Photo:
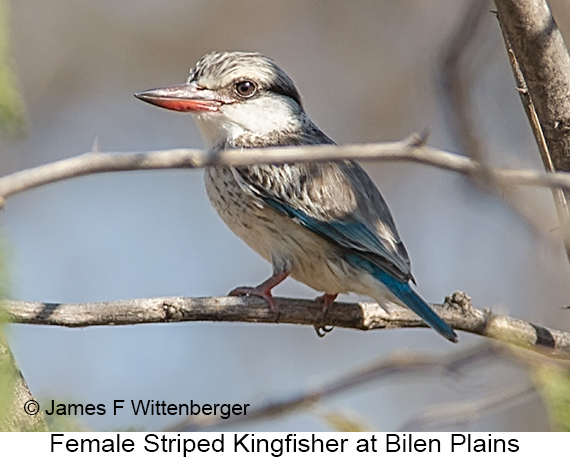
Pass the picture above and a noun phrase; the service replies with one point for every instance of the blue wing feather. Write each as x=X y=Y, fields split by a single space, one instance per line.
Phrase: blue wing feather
x=351 y=234
x=407 y=295
x=349 y=215
x=337 y=200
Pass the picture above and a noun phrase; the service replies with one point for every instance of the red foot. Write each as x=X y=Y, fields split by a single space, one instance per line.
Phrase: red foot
x=326 y=300
x=264 y=289
x=258 y=292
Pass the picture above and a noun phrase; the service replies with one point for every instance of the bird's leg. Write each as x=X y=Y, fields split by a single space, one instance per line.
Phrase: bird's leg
x=263 y=290
x=326 y=300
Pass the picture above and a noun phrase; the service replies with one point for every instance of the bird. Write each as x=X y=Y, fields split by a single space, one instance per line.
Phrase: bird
x=324 y=223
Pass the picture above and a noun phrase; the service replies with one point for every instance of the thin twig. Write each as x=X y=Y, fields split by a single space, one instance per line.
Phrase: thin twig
x=456 y=78
x=457 y=310
x=438 y=416
x=412 y=149
x=398 y=365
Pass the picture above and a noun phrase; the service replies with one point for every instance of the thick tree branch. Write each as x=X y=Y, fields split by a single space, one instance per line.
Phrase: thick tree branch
x=465 y=56
x=544 y=62
x=541 y=66
x=412 y=149
x=457 y=310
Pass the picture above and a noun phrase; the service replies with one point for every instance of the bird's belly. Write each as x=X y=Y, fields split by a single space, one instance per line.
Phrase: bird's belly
x=311 y=259
x=239 y=210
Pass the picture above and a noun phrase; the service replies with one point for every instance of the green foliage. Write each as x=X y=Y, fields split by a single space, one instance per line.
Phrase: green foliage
x=4 y=274
x=14 y=392
x=345 y=421
x=8 y=370
x=553 y=382
x=57 y=423
x=8 y=376
x=12 y=110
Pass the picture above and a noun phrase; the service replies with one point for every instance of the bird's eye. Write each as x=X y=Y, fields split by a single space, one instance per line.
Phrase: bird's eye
x=245 y=88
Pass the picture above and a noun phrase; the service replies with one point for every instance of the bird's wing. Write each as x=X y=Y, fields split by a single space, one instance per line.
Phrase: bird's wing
x=336 y=200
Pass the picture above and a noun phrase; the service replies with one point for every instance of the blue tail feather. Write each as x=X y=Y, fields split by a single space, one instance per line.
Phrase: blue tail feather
x=407 y=296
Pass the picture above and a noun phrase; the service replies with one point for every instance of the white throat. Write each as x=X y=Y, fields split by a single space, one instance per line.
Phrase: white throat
x=259 y=117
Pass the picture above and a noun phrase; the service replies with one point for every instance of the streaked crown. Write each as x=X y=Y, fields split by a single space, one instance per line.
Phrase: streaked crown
x=218 y=70
x=240 y=99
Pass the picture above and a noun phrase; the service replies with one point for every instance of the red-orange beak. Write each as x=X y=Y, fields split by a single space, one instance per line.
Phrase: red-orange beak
x=186 y=97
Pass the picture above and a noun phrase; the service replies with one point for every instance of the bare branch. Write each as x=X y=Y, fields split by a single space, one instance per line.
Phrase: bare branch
x=468 y=411
x=412 y=149
x=457 y=76
x=457 y=310
x=402 y=364
x=541 y=67
x=465 y=54
x=544 y=62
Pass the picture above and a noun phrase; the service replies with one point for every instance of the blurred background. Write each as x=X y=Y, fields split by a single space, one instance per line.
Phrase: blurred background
x=368 y=71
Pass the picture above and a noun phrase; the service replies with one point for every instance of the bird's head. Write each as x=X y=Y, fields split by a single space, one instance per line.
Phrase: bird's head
x=232 y=94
